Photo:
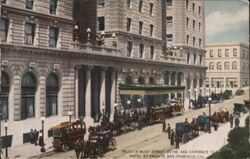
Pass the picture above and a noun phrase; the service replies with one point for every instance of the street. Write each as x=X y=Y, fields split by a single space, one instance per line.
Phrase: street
x=150 y=142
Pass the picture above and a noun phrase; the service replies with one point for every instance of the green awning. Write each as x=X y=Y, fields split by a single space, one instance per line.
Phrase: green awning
x=149 y=89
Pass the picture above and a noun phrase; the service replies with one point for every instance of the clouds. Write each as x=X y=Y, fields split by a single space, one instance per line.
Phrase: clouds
x=219 y=22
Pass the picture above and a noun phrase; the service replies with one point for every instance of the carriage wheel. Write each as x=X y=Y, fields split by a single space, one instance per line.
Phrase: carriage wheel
x=112 y=144
x=65 y=147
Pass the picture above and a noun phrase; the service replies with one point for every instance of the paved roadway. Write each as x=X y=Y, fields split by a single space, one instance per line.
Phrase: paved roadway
x=150 y=142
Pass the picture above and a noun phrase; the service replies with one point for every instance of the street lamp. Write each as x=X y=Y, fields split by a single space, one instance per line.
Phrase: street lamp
x=209 y=124
x=6 y=147
x=139 y=101
x=76 y=32
x=70 y=113
x=42 y=143
x=128 y=102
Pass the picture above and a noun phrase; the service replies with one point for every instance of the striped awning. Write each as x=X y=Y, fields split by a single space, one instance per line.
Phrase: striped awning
x=149 y=89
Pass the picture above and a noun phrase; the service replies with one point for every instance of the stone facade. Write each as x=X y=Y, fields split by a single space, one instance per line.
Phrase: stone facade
x=228 y=66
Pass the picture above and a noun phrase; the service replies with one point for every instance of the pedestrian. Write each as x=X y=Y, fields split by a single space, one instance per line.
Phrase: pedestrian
x=36 y=135
x=237 y=121
x=163 y=125
x=215 y=126
x=231 y=119
x=31 y=135
x=169 y=130
x=177 y=141
x=172 y=137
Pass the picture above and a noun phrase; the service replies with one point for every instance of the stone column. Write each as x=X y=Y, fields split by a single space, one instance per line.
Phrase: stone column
x=88 y=119
x=176 y=82
x=103 y=89
x=198 y=87
x=204 y=87
x=192 y=86
x=113 y=95
x=76 y=92
x=184 y=83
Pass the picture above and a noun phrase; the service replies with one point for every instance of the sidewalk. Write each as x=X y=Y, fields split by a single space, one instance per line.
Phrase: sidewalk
x=28 y=150
x=204 y=145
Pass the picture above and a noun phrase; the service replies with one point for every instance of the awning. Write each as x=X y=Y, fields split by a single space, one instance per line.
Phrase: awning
x=149 y=89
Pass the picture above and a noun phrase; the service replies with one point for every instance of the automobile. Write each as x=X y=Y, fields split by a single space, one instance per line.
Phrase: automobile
x=67 y=133
x=177 y=107
x=181 y=128
x=239 y=108
x=239 y=92
x=157 y=114
x=203 y=122
x=227 y=94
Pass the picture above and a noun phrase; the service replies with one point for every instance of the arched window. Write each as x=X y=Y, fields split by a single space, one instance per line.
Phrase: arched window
x=52 y=88
x=4 y=95
x=141 y=80
x=166 y=78
x=128 y=80
x=28 y=90
x=173 y=78
x=179 y=79
x=219 y=66
x=211 y=66
x=152 y=80
x=227 y=66
x=234 y=65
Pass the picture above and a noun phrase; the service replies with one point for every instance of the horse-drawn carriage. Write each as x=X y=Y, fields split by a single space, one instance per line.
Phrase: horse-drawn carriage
x=227 y=94
x=203 y=122
x=239 y=92
x=239 y=108
x=220 y=117
x=157 y=114
x=67 y=133
x=177 y=107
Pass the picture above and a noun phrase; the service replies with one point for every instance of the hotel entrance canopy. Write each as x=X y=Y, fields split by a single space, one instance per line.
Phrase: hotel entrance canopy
x=149 y=89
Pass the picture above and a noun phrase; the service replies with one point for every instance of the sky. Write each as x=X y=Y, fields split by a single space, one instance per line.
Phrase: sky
x=227 y=20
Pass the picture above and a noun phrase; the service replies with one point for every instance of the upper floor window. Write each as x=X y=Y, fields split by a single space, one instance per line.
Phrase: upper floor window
x=129 y=24
x=193 y=7
x=199 y=42
x=199 y=26
x=211 y=53
x=211 y=66
x=29 y=33
x=151 y=8
x=187 y=1
x=140 y=5
x=29 y=4
x=3 y=1
x=193 y=24
x=219 y=53
x=243 y=53
x=152 y=52
x=219 y=66
x=169 y=19
x=227 y=52
x=151 y=29
x=227 y=66
x=187 y=21
x=193 y=41
x=53 y=6
x=53 y=36
x=187 y=39
x=129 y=3
x=140 y=27
x=141 y=50
x=3 y=29
x=169 y=2
x=194 y=58
x=101 y=3
x=129 y=48
x=199 y=10
x=169 y=37
x=188 y=57
x=234 y=65
x=201 y=59
x=234 y=52
x=101 y=23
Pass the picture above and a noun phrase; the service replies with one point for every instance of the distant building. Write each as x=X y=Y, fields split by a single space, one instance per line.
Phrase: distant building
x=228 y=66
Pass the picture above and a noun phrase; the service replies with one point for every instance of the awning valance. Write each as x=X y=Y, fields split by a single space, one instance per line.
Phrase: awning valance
x=149 y=89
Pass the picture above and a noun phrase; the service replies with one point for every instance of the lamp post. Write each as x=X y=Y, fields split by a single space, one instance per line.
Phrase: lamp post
x=70 y=113
x=6 y=132
x=189 y=100
x=209 y=124
x=128 y=103
x=88 y=36
x=42 y=143
x=76 y=32
x=139 y=101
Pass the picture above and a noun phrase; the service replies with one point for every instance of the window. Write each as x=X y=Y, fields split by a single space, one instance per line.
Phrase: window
x=188 y=57
x=187 y=1
x=3 y=1
x=141 y=50
x=243 y=53
x=187 y=39
x=169 y=37
x=151 y=9
x=219 y=66
x=129 y=3
x=199 y=26
x=29 y=4
x=227 y=52
x=3 y=29
x=193 y=7
x=140 y=27
x=129 y=48
x=151 y=29
x=193 y=24
x=193 y=41
x=100 y=3
x=52 y=89
x=194 y=58
x=199 y=42
x=53 y=6
x=152 y=52
x=169 y=19
x=140 y=5
x=128 y=24
x=101 y=23
x=219 y=53
x=234 y=65
x=28 y=90
x=211 y=66
x=29 y=33
x=227 y=66
x=187 y=22
x=199 y=10
x=201 y=59
x=53 y=36
x=4 y=95
x=211 y=52
x=169 y=3
x=234 y=52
